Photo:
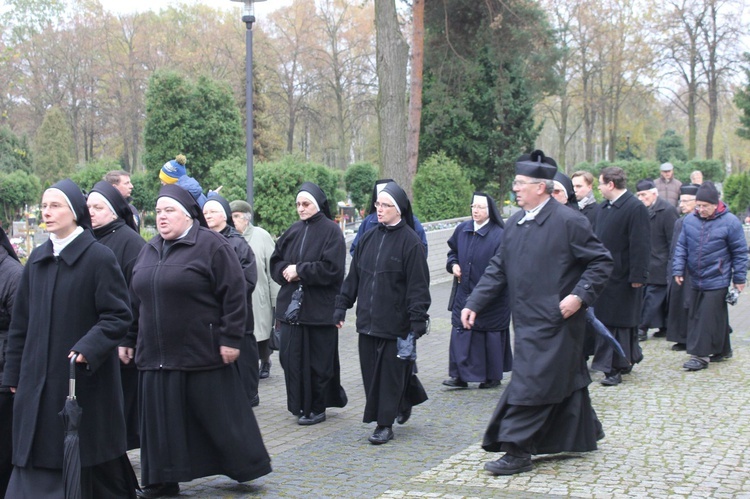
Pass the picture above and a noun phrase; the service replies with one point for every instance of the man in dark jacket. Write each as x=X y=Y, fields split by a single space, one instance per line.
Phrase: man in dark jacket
x=553 y=267
x=218 y=216
x=662 y=217
x=712 y=249
x=622 y=226
x=390 y=281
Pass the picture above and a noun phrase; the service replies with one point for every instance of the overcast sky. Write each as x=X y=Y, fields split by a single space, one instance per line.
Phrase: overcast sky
x=123 y=6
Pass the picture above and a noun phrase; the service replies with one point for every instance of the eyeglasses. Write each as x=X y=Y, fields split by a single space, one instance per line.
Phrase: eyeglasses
x=383 y=205
x=478 y=207
x=516 y=183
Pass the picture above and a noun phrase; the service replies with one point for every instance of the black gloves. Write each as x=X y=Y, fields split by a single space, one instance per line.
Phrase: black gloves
x=339 y=315
x=419 y=328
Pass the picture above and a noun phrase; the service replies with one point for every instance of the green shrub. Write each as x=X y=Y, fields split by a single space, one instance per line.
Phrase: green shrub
x=92 y=172
x=360 y=179
x=441 y=189
x=736 y=193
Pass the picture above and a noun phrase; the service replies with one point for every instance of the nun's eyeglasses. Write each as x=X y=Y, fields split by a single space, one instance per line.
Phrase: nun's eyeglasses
x=383 y=205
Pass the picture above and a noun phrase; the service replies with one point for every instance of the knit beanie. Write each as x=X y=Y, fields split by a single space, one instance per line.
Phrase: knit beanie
x=173 y=170
x=707 y=193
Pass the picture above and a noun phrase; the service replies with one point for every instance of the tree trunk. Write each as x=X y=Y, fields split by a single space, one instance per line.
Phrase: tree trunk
x=415 y=92
x=392 y=56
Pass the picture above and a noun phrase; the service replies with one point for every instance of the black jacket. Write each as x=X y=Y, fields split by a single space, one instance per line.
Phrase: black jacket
x=317 y=247
x=390 y=281
x=10 y=275
x=191 y=301
x=77 y=301
x=662 y=217
x=249 y=269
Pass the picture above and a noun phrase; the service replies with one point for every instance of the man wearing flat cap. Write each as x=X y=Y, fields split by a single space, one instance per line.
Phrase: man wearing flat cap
x=678 y=300
x=622 y=226
x=661 y=216
x=712 y=250
x=667 y=185
x=553 y=267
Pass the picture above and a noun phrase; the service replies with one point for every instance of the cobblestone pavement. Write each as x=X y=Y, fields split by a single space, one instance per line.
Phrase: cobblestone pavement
x=670 y=433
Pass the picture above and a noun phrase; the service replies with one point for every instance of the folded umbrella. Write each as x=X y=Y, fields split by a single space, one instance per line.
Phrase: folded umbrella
x=602 y=330
x=71 y=416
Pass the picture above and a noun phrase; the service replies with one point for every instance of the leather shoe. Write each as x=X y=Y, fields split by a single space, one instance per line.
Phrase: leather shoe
x=265 y=370
x=642 y=334
x=694 y=365
x=255 y=402
x=509 y=465
x=612 y=379
x=661 y=333
x=493 y=383
x=312 y=419
x=403 y=416
x=679 y=347
x=166 y=489
x=721 y=358
x=381 y=435
x=455 y=383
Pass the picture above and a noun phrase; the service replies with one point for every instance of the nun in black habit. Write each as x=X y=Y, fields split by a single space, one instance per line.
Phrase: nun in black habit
x=115 y=228
x=310 y=256
x=190 y=293
x=390 y=281
x=483 y=353
x=72 y=300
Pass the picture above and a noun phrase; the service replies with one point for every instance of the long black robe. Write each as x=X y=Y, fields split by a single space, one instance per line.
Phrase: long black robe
x=678 y=300
x=540 y=262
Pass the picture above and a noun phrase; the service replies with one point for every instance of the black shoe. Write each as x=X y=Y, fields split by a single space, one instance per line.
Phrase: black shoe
x=381 y=435
x=455 y=383
x=508 y=465
x=694 y=364
x=661 y=333
x=166 y=489
x=265 y=370
x=642 y=334
x=404 y=416
x=312 y=419
x=255 y=402
x=612 y=379
x=679 y=347
x=721 y=358
x=494 y=383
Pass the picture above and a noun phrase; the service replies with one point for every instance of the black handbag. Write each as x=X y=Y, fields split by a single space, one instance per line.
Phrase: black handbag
x=292 y=311
x=274 y=341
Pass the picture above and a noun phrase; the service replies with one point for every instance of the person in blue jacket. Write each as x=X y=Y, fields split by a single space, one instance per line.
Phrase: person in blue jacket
x=712 y=250
x=371 y=220
x=174 y=172
x=480 y=354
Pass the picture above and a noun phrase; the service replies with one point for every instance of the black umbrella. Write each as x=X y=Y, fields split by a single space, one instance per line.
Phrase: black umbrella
x=71 y=416
x=602 y=331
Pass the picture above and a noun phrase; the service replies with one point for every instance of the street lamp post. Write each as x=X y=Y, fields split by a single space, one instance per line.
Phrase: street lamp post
x=248 y=17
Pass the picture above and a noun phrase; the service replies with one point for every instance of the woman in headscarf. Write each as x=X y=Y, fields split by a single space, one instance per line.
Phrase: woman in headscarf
x=390 y=281
x=72 y=302
x=310 y=256
x=10 y=275
x=483 y=353
x=115 y=228
x=218 y=216
x=190 y=294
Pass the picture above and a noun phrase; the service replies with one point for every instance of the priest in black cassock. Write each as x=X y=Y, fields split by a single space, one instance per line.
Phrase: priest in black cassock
x=553 y=267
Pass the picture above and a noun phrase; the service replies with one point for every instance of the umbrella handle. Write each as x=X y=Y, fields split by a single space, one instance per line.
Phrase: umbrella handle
x=72 y=380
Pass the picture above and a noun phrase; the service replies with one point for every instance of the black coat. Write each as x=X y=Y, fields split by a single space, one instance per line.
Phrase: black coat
x=249 y=269
x=124 y=242
x=75 y=302
x=10 y=275
x=590 y=211
x=390 y=281
x=317 y=247
x=191 y=301
x=662 y=217
x=541 y=262
x=624 y=230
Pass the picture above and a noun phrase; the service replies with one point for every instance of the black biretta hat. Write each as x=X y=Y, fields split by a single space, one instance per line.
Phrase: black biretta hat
x=644 y=185
x=186 y=200
x=689 y=189
x=536 y=165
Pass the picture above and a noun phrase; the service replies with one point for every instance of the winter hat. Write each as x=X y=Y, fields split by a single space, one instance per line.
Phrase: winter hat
x=225 y=206
x=308 y=188
x=186 y=200
x=116 y=202
x=536 y=165
x=76 y=201
x=707 y=193
x=241 y=206
x=665 y=167
x=173 y=170
x=645 y=185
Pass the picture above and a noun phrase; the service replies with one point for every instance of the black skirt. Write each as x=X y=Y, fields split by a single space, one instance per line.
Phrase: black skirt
x=479 y=356
x=708 y=323
x=677 y=317
x=654 y=312
x=198 y=423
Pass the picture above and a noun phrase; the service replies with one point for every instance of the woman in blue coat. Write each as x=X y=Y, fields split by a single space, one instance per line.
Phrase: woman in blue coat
x=483 y=353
